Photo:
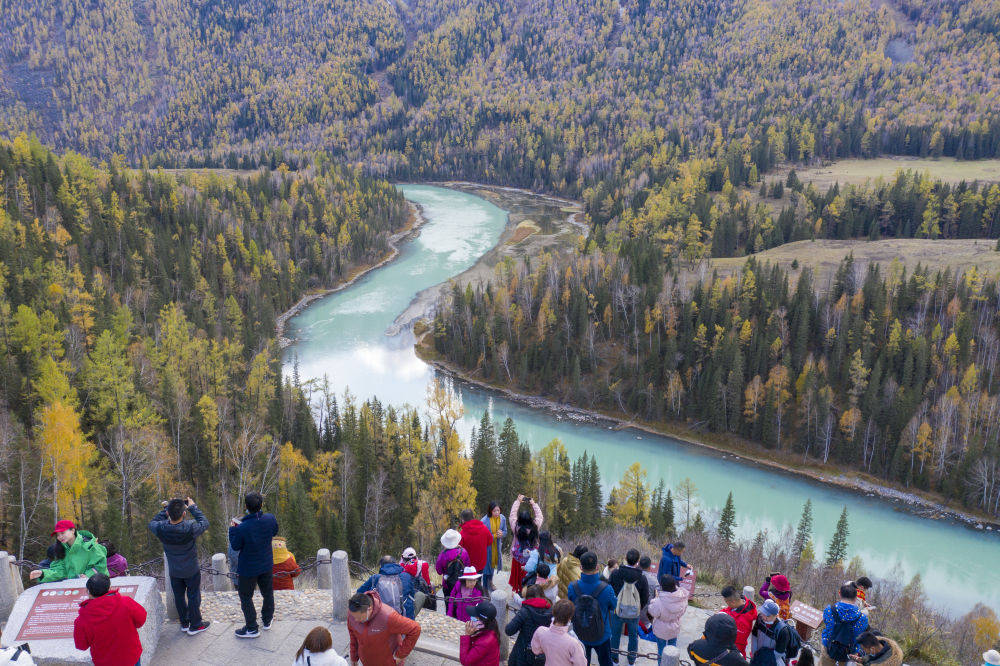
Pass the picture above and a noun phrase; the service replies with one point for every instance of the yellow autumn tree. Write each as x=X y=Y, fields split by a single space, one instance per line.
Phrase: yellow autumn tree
x=629 y=503
x=448 y=492
x=65 y=455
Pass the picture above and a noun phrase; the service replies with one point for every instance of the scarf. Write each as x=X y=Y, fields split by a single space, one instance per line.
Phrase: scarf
x=495 y=550
x=279 y=550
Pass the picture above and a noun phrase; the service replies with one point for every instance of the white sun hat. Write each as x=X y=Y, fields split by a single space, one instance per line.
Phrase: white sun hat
x=470 y=573
x=451 y=539
x=992 y=657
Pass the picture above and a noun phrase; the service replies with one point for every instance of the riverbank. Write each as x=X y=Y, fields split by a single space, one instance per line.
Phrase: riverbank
x=923 y=505
x=410 y=230
x=536 y=224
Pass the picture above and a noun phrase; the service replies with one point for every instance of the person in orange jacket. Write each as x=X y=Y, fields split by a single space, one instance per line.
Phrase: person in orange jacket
x=108 y=625
x=379 y=635
x=285 y=568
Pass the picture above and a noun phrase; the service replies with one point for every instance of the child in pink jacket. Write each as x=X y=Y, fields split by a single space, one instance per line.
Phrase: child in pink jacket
x=559 y=648
x=666 y=610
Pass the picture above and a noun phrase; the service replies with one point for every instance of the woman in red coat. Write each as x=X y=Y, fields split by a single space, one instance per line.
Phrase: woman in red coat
x=285 y=567
x=480 y=646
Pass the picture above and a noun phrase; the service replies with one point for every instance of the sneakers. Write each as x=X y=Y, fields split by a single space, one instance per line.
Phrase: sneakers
x=247 y=633
x=266 y=625
x=184 y=627
x=198 y=628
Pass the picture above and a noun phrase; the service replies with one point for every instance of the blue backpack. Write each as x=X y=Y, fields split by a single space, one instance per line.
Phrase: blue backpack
x=842 y=637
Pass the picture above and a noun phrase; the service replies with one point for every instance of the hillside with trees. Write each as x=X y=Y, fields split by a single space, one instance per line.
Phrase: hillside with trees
x=137 y=329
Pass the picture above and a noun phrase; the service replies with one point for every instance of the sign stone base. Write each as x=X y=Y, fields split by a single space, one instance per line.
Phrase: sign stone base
x=50 y=609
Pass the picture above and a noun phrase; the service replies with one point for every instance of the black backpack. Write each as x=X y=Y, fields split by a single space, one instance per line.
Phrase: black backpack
x=588 y=621
x=794 y=642
x=841 y=637
x=453 y=572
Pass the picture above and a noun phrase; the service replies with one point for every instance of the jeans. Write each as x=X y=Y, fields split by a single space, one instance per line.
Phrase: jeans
x=662 y=643
x=246 y=587
x=616 y=636
x=189 y=611
x=603 y=653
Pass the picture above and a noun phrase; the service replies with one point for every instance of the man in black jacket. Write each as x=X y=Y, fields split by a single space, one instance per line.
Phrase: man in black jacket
x=628 y=573
x=178 y=538
x=251 y=536
x=718 y=644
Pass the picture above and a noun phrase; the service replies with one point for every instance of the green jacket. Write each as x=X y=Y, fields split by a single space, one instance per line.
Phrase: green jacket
x=83 y=557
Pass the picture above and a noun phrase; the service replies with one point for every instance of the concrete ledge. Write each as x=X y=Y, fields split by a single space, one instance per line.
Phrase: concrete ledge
x=437 y=648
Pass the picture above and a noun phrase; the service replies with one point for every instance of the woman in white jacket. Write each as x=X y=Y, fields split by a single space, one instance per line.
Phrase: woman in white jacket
x=317 y=650
x=666 y=610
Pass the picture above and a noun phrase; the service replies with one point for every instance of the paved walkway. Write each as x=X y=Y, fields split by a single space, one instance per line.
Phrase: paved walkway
x=218 y=646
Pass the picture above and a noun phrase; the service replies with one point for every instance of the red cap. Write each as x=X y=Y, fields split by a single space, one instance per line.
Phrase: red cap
x=780 y=583
x=62 y=526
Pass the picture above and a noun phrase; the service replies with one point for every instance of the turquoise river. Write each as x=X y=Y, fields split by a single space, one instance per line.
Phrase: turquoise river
x=343 y=337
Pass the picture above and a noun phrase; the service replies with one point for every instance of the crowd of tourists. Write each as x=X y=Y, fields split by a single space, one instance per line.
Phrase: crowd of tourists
x=567 y=607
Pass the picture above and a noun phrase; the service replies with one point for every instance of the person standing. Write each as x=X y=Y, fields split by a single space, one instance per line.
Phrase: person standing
x=77 y=555
x=379 y=635
x=480 y=644
x=632 y=595
x=777 y=588
x=843 y=622
x=108 y=625
x=251 y=536
x=179 y=539
x=555 y=643
x=451 y=562
x=496 y=522
x=415 y=566
x=771 y=638
x=476 y=539
x=395 y=586
x=672 y=563
x=535 y=612
x=595 y=604
x=666 y=610
x=569 y=569
x=525 y=524
x=744 y=613
x=285 y=567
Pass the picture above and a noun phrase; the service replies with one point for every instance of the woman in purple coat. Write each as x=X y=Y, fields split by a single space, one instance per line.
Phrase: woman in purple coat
x=451 y=562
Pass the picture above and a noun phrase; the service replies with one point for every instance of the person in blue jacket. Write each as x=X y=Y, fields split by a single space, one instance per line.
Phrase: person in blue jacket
x=496 y=522
x=590 y=583
x=395 y=587
x=671 y=562
x=251 y=535
x=843 y=622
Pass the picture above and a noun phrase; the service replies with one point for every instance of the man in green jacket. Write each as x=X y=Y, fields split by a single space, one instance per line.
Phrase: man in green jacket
x=81 y=555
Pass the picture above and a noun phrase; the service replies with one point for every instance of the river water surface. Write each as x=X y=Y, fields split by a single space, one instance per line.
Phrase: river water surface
x=342 y=337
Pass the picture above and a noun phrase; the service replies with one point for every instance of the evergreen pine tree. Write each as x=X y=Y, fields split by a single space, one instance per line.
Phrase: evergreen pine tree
x=510 y=459
x=727 y=521
x=803 y=533
x=657 y=527
x=837 y=551
x=698 y=524
x=485 y=468
x=668 y=513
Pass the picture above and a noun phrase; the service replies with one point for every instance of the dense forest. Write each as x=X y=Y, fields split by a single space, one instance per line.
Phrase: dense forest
x=545 y=94
x=137 y=327
x=894 y=373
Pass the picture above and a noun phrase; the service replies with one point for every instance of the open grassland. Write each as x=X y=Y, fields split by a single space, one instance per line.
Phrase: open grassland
x=823 y=256
x=857 y=171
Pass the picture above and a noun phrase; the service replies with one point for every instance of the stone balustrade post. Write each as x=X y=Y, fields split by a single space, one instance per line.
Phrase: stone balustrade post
x=15 y=572
x=171 y=607
x=221 y=582
x=671 y=656
x=8 y=589
x=499 y=600
x=324 y=569
x=340 y=584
